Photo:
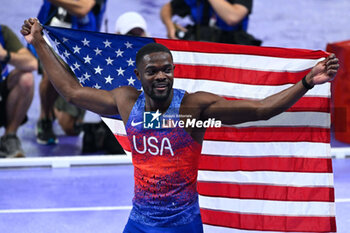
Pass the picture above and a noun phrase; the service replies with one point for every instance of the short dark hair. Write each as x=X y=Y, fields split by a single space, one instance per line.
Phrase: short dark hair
x=150 y=48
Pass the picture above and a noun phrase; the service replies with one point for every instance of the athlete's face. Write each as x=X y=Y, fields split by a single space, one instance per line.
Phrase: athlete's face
x=156 y=73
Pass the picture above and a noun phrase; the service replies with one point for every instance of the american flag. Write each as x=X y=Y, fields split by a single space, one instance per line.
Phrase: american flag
x=273 y=175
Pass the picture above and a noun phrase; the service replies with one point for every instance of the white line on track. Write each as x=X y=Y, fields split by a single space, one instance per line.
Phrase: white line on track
x=72 y=209
x=342 y=200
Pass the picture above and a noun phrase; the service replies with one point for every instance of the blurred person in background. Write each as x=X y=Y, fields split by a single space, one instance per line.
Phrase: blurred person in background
x=16 y=90
x=224 y=21
x=76 y=14
x=131 y=23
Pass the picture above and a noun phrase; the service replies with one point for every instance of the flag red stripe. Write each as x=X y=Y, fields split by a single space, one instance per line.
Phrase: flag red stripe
x=281 y=164
x=124 y=142
x=266 y=192
x=306 y=104
x=232 y=75
x=208 y=47
x=268 y=222
x=269 y=134
x=259 y=134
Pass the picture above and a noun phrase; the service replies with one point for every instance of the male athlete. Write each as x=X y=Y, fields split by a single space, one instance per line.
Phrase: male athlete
x=166 y=160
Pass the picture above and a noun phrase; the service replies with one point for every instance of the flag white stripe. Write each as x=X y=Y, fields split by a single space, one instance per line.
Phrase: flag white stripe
x=65 y=209
x=295 y=179
x=210 y=228
x=267 y=207
x=295 y=119
x=115 y=125
x=244 y=91
x=258 y=149
x=243 y=61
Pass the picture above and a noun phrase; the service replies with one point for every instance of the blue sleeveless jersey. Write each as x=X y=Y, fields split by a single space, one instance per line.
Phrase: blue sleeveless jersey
x=165 y=169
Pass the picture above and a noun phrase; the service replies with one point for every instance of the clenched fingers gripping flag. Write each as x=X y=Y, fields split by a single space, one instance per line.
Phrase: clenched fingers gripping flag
x=273 y=175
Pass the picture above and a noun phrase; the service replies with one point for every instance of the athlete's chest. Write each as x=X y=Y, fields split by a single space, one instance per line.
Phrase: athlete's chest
x=159 y=142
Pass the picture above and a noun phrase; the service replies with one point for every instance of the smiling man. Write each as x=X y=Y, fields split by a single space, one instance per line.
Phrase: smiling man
x=166 y=159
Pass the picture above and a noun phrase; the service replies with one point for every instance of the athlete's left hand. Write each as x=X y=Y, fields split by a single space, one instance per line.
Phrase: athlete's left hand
x=323 y=71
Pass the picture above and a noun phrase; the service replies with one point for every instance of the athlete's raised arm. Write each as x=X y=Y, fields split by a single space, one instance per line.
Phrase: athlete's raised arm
x=239 y=111
x=99 y=101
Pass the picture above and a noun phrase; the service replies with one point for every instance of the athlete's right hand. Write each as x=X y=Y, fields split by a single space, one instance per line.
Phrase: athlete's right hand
x=31 y=30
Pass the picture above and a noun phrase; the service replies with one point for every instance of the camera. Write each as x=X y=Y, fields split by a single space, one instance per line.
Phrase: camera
x=180 y=34
x=184 y=35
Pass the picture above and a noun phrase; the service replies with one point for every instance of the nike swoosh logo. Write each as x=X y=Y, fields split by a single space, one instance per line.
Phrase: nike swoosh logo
x=133 y=124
